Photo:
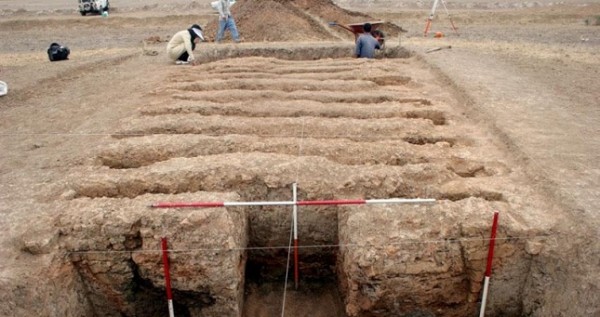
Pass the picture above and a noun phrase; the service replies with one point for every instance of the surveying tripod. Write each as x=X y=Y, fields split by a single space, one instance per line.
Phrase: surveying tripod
x=430 y=18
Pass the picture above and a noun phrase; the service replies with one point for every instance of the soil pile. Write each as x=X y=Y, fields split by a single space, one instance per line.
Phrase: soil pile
x=295 y=20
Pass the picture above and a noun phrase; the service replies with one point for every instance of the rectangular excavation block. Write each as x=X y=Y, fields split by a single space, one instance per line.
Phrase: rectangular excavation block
x=115 y=246
x=429 y=260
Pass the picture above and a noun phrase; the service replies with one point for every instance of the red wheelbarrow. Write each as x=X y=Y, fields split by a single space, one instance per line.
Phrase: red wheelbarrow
x=357 y=29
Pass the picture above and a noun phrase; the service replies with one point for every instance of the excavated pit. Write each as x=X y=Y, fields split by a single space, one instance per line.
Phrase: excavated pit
x=246 y=129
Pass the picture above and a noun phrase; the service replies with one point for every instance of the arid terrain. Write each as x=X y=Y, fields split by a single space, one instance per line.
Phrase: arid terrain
x=502 y=115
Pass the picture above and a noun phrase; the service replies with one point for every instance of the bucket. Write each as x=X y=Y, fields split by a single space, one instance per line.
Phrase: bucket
x=3 y=88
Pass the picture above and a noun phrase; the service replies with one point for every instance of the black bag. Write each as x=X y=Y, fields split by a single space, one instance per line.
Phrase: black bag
x=57 y=52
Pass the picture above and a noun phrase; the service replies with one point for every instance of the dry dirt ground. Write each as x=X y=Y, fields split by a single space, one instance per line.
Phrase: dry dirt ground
x=512 y=108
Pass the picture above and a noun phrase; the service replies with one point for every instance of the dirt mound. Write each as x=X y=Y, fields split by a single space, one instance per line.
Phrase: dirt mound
x=295 y=20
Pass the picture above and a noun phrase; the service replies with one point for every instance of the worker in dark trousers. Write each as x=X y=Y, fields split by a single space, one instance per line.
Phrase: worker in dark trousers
x=181 y=46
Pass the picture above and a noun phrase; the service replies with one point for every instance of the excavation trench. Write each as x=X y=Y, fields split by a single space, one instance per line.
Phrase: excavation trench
x=198 y=141
x=363 y=260
x=365 y=254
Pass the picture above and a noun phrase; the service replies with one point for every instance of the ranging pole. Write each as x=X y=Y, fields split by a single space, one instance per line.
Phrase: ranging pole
x=488 y=268
x=165 y=258
x=292 y=203
x=295 y=216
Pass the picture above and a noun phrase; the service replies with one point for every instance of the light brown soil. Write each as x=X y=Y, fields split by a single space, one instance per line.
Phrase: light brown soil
x=508 y=117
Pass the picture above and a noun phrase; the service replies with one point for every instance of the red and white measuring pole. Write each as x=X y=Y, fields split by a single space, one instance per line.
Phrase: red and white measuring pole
x=488 y=267
x=295 y=222
x=292 y=203
x=165 y=258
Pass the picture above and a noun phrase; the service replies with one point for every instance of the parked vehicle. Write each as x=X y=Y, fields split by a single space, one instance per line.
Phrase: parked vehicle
x=3 y=88
x=93 y=6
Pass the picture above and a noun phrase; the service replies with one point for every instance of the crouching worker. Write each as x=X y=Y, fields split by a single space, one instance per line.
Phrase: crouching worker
x=366 y=44
x=181 y=46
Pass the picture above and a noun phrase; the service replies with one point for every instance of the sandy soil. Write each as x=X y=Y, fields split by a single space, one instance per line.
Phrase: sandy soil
x=526 y=75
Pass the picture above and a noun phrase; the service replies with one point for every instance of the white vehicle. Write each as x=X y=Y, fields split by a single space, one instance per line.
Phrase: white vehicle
x=3 y=88
x=93 y=6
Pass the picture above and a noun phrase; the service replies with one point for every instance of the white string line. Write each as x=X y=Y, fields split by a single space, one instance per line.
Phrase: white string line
x=300 y=144
x=293 y=225
x=164 y=223
x=63 y=134
x=281 y=135
x=287 y=268
x=362 y=154
x=315 y=246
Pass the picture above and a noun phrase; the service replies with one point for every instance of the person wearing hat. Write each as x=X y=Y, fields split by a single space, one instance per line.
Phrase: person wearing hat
x=366 y=44
x=181 y=46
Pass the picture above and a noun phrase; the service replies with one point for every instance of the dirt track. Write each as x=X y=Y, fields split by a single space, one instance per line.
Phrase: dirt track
x=531 y=91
